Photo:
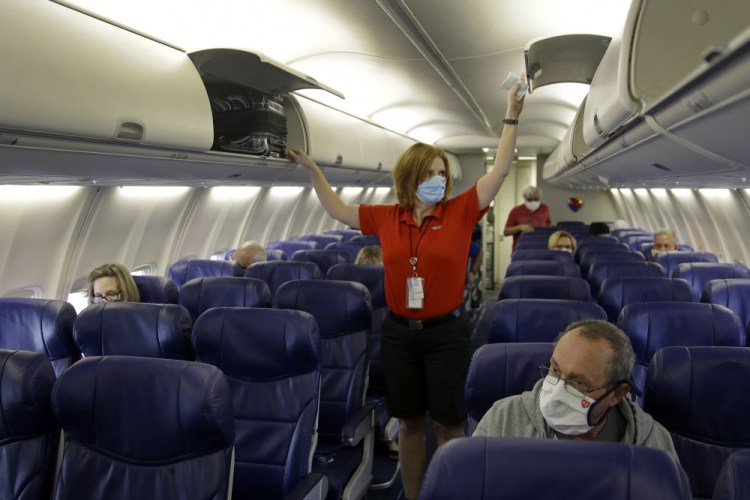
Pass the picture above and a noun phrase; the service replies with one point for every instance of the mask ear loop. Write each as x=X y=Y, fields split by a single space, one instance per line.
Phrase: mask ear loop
x=614 y=387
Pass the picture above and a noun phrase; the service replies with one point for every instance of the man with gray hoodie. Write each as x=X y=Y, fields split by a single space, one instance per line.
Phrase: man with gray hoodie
x=584 y=394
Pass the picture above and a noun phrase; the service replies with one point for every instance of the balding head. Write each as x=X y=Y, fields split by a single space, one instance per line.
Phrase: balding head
x=249 y=253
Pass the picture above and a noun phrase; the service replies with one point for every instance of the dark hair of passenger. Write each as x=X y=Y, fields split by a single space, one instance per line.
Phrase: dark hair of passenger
x=598 y=228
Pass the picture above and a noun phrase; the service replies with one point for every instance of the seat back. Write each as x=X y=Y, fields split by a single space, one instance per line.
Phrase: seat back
x=733 y=482
x=143 y=428
x=321 y=239
x=541 y=254
x=276 y=273
x=537 y=320
x=200 y=294
x=586 y=255
x=157 y=290
x=731 y=293
x=602 y=270
x=29 y=433
x=616 y=293
x=351 y=247
x=652 y=326
x=512 y=468
x=184 y=270
x=700 y=273
x=634 y=241
x=275 y=255
x=323 y=258
x=134 y=329
x=501 y=370
x=40 y=325
x=544 y=287
x=271 y=361
x=542 y=268
x=670 y=260
x=289 y=247
x=373 y=277
x=367 y=239
x=346 y=234
x=694 y=393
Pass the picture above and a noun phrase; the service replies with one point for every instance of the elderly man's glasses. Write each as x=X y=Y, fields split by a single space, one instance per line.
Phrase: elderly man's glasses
x=107 y=297
x=574 y=387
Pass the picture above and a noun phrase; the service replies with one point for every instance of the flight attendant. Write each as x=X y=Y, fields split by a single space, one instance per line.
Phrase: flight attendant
x=425 y=239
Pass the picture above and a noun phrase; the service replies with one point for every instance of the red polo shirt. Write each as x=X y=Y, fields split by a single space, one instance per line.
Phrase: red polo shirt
x=521 y=215
x=441 y=246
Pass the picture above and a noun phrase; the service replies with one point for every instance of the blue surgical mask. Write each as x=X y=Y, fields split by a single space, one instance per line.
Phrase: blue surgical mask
x=432 y=190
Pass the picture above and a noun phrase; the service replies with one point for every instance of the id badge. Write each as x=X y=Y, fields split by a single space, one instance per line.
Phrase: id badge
x=415 y=293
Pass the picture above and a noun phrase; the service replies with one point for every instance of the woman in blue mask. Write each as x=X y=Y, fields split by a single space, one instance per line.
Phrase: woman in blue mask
x=425 y=240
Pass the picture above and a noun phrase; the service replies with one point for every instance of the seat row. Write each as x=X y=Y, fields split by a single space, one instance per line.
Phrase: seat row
x=248 y=345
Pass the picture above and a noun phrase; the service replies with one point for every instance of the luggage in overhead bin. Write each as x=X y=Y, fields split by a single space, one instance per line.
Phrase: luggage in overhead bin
x=248 y=121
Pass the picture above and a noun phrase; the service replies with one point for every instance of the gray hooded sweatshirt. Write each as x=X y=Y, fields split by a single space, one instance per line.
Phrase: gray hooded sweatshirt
x=520 y=416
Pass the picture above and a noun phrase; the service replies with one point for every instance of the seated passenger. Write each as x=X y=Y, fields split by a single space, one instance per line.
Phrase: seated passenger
x=372 y=254
x=664 y=241
x=583 y=395
x=563 y=241
x=599 y=229
x=112 y=283
x=246 y=254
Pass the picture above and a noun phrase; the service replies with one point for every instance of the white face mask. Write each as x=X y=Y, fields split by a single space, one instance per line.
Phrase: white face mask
x=569 y=250
x=566 y=413
x=532 y=205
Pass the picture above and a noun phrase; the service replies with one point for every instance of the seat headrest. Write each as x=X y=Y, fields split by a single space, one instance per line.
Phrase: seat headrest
x=38 y=325
x=512 y=468
x=538 y=320
x=184 y=270
x=200 y=294
x=278 y=272
x=258 y=344
x=370 y=275
x=545 y=287
x=26 y=380
x=157 y=289
x=134 y=329
x=146 y=410
x=341 y=307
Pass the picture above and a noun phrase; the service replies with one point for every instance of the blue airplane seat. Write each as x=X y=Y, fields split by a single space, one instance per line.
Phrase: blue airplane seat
x=291 y=246
x=275 y=255
x=545 y=469
x=143 y=428
x=537 y=320
x=134 y=329
x=732 y=293
x=591 y=258
x=544 y=287
x=40 y=325
x=323 y=258
x=652 y=326
x=321 y=239
x=184 y=270
x=542 y=268
x=541 y=254
x=532 y=242
x=366 y=239
x=696 y=393
x=603 y=241
x=271 y=360
x=670 y=260
x=352 y=247
x=501 y=370
x=700 y=273
x=602 y=270
x=733 y=482
x=201 y=294
x=588 y=250
x=616 y=293
x=634 y=241
x=276 y=273
x=345 y=427
x=157 y=290
x=29 y=433
x=346 y=234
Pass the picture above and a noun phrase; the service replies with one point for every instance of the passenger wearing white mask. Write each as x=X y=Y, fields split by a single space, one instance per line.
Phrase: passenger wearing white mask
x=530 y=214
x=584 y=394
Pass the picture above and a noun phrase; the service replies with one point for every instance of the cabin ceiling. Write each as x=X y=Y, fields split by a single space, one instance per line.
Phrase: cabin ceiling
x=426 y=68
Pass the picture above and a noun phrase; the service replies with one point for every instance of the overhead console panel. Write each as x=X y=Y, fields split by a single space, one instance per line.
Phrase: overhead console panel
x=669 y=102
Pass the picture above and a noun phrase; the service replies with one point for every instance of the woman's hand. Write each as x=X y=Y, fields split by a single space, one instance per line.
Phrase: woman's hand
x=514 y=105
x=300 y=157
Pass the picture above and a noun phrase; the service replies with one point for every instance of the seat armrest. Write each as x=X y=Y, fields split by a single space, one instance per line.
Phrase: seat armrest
x=358 y=425
x=313 y=486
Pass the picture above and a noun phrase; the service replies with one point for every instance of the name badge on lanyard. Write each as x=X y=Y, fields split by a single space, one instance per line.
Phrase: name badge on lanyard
x=414 y=288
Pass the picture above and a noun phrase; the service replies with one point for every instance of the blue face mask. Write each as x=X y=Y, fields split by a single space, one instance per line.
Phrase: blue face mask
x=432 y=190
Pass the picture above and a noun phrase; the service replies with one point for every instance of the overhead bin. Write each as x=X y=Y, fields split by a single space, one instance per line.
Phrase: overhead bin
x=571 y=147
x=563 y=58
x=65 y=73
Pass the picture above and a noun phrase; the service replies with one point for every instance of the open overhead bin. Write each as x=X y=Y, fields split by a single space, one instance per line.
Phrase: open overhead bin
x=563 y=58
